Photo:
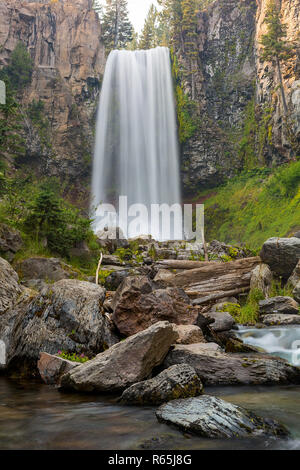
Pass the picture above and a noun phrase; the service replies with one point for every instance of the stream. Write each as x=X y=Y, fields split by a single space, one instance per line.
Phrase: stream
x=37 y=416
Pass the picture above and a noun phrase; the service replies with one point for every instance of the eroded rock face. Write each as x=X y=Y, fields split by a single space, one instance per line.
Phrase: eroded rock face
x=212 y=417
x=125 y=363
x=139 y=303
x=50 y=269
x=69 y=316
x=278 y=305
x=180 y=381
x=9 y=287
x=218 y=368
x=281 y=254
x=51 y=368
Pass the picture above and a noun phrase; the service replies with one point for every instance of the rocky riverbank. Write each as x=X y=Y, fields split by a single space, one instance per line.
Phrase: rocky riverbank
x=164 y=334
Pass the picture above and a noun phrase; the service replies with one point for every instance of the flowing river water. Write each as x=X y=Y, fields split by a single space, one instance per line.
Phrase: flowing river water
x=36 y=416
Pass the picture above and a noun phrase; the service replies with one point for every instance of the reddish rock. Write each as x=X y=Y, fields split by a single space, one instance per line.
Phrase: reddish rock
x=139 y=303
x=52 y=368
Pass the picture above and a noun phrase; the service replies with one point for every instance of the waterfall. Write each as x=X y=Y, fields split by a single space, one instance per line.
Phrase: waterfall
x=136 y=150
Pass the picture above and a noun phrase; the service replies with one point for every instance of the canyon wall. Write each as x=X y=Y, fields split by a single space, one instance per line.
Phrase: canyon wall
x=234 y=86
x=64 y=41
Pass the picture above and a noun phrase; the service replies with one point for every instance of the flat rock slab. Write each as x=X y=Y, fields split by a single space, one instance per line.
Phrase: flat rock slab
x=280 y=305
x=278 y=319
x=180 y=381
x=281 y=254
x=123 y=364
x=212 y=417
x=52 y=368
x=218 y=368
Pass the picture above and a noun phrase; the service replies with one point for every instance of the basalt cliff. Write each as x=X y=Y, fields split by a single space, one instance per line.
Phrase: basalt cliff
x=238 y=116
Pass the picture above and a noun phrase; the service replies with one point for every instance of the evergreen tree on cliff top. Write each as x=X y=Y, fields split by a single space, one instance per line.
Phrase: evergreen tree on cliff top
x=149 y=35
x=116 y=26
x=275 y=46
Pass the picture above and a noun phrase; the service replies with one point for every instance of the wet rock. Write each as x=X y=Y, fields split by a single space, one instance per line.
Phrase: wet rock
x=125 y=363
x=69 y=316
x=139 y=303
x=215 y=367
x=212 y=417
x=180 y=381
x=261 y=279
x=49 y=269
x=52 y=368
x=189 y=334
x=9 y=287
x=278 y=305
x=223 y=321
x=281 y=254
x=10 y=241
x=281 y=319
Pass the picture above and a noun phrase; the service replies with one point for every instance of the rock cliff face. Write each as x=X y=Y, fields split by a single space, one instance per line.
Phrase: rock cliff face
x=64 y=40
x=230 y=78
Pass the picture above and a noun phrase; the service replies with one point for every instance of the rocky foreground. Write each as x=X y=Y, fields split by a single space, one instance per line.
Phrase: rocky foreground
x=162 y=335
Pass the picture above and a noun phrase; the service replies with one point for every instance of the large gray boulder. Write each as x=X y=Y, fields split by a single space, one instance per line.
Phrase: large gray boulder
x=49 y=269
x=278 y=305
x=125 y=363
x=223 y=321
x=281 y=254
x=189 y=334
x=180 y=381
x=69 y=316
x=140 y=302
x=215 y=367
x=9 y=287
x=212 y=417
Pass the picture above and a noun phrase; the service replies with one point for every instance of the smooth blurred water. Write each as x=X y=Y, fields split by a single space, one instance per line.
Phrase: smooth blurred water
x=136 y=151
x=36 y=416
x=279 y=341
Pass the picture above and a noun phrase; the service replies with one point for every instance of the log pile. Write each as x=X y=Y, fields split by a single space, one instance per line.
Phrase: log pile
x=212 y=281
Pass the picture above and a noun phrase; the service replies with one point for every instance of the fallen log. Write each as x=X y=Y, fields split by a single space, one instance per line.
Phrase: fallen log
x=181 y=264
x=217 y=280
x=220 y=295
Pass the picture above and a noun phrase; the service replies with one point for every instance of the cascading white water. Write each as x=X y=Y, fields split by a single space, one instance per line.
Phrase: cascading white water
x=281 y=341
x=136 y=152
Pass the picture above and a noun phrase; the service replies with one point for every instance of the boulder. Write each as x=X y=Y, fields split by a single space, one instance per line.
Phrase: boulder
x=189 y=334
x=282 y=255
x=69 y=316
x=294 y=279
x=125 y=363
x=215 y=367
x=261 y=278
x=211 y=417
x=278 y=305
x=111 y=239
x=49 y=269
x=51 y=368
x=140 y=302
x=180 y=381
x=223 y=321
x=10 y=241
x=9 y=287
x=115 y=279
x=296 y=292
x=281 y=319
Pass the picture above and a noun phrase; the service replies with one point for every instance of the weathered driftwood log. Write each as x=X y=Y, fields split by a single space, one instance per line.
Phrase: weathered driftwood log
x=217 y=280
x=181 y=264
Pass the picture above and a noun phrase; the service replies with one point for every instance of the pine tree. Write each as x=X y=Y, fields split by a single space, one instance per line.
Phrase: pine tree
x=116 y=26
x=149 y=35
x=275 y=46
